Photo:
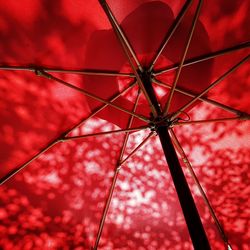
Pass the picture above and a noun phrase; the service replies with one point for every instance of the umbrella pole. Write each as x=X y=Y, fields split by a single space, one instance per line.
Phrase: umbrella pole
x=191 y=215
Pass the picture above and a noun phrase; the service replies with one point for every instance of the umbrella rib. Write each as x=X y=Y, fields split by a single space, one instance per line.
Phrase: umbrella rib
x=70 y=138
x=129 y=125
x=51 y=77
x=18 y=169
x=106 y=208
x=177 y=75
x=239 y=118
x=67 y=71
x=180 y=150
x=137 y=148
x=203 y=99
x=221 y=78
x=110 y=16
x=205 y=57
x=54 y=142
x=98 y=109
x=112 y=187
x=119 y=31
x=173 y=28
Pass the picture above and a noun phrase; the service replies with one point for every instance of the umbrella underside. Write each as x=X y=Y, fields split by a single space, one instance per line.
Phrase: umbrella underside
x=85 y=89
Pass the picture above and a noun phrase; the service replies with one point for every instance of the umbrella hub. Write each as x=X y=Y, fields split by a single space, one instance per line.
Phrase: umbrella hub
x=145 y=75
x=159 y=122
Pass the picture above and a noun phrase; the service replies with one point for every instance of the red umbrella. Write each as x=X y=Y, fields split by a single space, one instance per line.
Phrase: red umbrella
x=84 y=90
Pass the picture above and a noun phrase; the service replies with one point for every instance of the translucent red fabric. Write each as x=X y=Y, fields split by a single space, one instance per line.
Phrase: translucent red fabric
x=56 y=202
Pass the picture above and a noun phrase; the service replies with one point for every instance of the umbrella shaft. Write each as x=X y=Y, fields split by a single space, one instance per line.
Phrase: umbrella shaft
x=191 y=215
x=192 y=218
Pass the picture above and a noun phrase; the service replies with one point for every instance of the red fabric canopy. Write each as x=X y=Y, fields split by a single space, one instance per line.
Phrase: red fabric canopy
x=56 y=202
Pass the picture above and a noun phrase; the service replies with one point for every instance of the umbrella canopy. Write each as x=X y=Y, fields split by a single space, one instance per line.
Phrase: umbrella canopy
x=86 y=88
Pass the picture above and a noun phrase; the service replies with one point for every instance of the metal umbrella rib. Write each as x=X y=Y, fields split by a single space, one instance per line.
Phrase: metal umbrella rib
x=203 y=99
x=120 y=33
x=191 y=32
x=171 y=32
x=238 y=118
x=137 y=148
x=201 y=190
x=220 y=79
x=93 y=96
x=129 y=125
x=116 y=172
x=112 y=187
x=66 y=71
x=203 y=58
x=78 y=137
